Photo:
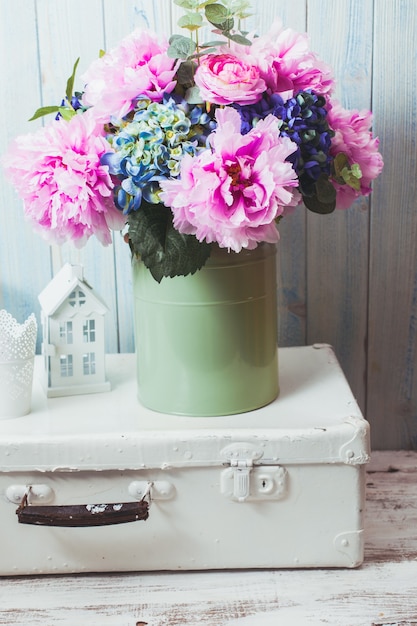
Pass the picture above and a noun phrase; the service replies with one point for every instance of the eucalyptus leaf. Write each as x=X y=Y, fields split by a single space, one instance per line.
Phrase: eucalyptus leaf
x=237 y=38
x=44 y=111
x=70 y=81
x=216 y=13
x=163 y=250
x=191 y=21
x=187 y=4
x=225 y=26
x=202 y=54
x=212 y=44
x=193 y=96
x=219 y=16
x=240 y=8
x=180 y=47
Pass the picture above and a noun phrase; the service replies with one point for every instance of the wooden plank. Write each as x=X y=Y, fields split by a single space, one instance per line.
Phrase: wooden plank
x=382 y=592
x=292 y=246
x=63 y=37
x=337 y=245
x=391 y=507
x=120 y=20
x=24 y=257
x=392 y=373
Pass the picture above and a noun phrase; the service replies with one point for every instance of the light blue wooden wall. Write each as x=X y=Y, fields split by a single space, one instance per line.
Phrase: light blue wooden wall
x=349 y=279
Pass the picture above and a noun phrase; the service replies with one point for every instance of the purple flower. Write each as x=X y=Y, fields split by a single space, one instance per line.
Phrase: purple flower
x=304 y=120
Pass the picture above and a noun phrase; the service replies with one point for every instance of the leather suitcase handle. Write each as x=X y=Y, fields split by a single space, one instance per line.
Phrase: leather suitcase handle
x=82 y=515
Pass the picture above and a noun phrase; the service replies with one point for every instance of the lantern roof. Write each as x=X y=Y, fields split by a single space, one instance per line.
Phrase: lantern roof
x=63 y=285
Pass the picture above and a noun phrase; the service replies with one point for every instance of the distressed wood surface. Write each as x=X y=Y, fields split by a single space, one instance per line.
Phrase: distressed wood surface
x=392 y=359
x=348 y=279
x=382 y=592
x=337 y=250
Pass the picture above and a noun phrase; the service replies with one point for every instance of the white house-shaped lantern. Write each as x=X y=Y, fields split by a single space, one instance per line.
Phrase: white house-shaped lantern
x=72 y=316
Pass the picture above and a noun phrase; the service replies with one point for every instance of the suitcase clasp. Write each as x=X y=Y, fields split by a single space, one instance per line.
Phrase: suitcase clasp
x=241 y=457
x=245 y=481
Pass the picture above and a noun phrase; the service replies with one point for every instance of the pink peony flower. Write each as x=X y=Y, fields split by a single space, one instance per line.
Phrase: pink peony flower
x=287 y=64
x=225 y=78
x=138 y=66
x=67 y=193
x=354 y=138
x=233 y=193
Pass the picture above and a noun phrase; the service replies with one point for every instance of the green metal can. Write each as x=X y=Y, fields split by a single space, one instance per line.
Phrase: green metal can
x=206 y=344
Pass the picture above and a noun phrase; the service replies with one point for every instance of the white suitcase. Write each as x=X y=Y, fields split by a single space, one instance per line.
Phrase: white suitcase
x=281 y=486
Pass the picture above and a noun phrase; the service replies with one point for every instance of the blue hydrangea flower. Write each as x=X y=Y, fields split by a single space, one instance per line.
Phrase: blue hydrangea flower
x=149 y=144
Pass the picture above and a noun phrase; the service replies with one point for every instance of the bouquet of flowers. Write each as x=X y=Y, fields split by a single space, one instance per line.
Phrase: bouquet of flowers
x=183 y=145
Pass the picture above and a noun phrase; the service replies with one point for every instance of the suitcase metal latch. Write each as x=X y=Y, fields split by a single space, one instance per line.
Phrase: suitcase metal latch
x=241 y=457
x=245 y=481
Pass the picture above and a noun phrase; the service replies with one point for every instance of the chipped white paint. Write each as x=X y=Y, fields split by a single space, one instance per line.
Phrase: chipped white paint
x=275 y=487
x=381 y=593
x=96 y=508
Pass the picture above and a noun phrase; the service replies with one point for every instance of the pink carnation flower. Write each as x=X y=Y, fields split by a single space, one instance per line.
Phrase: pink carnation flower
x=139 y=65
x=225 y=78
x=354 y=138
x=67 y=193
x=288 y=65
x=233 y=193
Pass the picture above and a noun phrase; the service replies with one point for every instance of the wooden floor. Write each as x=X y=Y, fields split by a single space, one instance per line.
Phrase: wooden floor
x=381 y=592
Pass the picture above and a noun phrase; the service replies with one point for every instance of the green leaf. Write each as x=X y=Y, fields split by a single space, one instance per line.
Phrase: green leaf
x=163 y=250
x=325 y=190
x=101 y=53
x=211 y=44
x=191 y=21
x=351 y=178
x=67 y=113
x=226 y=26
x=239 y=8
x=219 y=16
x=193 y=4
x=187 y=4
x=344 y=174
x=44 y=111
x=70 y=81
x=193 y=96
x=202 y=54
x=324 y=200
x=237 y=38
x=201 y=5
x=185 y=74
x=216 y=13
x=314 y=205
x=339 y=163
x=180 y=47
